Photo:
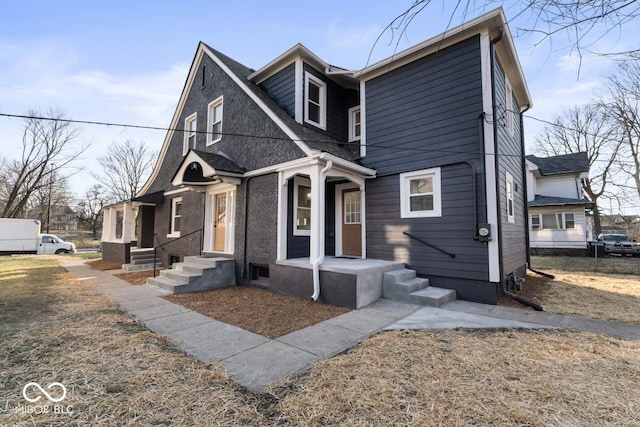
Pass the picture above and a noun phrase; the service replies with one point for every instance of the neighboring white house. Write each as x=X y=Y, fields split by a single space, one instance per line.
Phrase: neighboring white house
x=558 y=220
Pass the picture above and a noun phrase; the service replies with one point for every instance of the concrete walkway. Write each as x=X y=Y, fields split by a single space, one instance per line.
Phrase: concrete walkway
x=255 y=361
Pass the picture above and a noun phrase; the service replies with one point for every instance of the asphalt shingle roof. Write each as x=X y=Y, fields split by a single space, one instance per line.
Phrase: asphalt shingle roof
x=557 y=201
x=315 y=140
x=218 y=162
x=566 y=163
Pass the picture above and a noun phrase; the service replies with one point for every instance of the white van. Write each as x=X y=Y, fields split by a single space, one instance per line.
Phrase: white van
x=22 y=236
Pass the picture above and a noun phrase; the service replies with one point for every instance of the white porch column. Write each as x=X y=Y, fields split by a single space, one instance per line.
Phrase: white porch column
x=281 y=251
x=363 y=223
x=106 y=225
x=316 y=249
x=127 y=214
x=134 y=220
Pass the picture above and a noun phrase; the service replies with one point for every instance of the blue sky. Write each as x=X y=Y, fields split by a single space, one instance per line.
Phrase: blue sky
x=126 y=62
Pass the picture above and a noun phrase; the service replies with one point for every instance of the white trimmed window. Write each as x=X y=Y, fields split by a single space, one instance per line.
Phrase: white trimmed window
x=553 y=221
x=189 y=133
x=354 y=123
x=214 y=122
x=301 y=207
x=176 y=217
x=509 y=113
x=511 y=217
x=315 y=101
x=420 y=194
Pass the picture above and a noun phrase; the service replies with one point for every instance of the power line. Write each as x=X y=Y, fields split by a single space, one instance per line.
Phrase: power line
x=273 y=138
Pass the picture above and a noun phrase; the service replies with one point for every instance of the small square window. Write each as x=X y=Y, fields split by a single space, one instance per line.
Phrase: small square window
x=535 y=222
x=569 y=221
x=420 y=194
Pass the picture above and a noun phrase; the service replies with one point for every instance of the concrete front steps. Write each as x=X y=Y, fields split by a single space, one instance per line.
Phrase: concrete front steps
x=404 y=285
x=196 y=274
x=141 y=259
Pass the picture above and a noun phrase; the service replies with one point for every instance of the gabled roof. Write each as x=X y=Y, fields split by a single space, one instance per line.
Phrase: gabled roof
x=218 y=162
x=201 y=167
x=540 y=201
x=566 y=163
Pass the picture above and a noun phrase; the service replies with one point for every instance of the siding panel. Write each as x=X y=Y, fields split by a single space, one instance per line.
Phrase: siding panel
x=281 y=87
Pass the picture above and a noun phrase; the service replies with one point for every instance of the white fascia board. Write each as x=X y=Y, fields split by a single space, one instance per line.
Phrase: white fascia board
x=286 y=58
x=312 y=160
x=298 y=81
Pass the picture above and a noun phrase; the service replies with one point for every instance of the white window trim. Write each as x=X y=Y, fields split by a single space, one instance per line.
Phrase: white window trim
x=509 y=112
x=405 y=178
x=562 y=224
x=210 y=108
x=308 y=77
x=352 y=123
x=187 y=133
x=305 y=182
x=172 y=232
x=511 y=217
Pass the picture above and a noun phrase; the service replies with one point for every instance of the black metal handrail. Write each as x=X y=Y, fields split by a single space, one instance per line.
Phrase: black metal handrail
x=429 y=244
x=155 y=249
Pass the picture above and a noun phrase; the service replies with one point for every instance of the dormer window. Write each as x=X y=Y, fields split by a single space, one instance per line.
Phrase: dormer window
x=354 y=123
x=189 y=133
x=315 y=112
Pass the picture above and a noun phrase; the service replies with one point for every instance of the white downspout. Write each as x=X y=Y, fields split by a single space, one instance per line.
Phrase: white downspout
x=320 y=259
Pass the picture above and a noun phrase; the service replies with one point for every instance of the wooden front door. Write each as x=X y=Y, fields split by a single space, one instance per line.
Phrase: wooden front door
x=220 y=223
x=351 y=223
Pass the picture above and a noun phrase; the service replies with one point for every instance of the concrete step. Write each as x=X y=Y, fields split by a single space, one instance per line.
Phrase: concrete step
x=432 y=296
x=395 y=276
x=136 y=261
x=204 y=261
x=401 y=289
x=165 y=283
x=180 y=276
x=190 y=267
x=139 y=267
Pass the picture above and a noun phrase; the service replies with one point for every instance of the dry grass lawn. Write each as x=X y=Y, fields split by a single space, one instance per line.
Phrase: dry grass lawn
x=53 y=328
x=265 y=313
x=102 y=265
x=136 y=277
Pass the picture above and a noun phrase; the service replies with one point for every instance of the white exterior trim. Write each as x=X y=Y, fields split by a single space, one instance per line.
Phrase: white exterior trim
x=341 y=163
x=298 y=95
x=209 y=229
x=172 y=192
x=352 y=123
x=405 y=194
x=508 y=182
x=281 y=222
x=493 y=245
x=363 y=120
x=172 y=225
x=338 y=214
x=193 y=118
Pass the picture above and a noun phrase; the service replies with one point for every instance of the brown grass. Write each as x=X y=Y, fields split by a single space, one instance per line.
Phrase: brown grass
x=609 y=265
x=136 y=277
x=102 y=265
x=262 y=312
x=457 y=378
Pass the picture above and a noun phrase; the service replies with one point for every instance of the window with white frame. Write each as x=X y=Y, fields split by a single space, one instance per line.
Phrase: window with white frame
x=509 y=190
x=553 y=221
x=509 y=113
x=354 y=123
x=315 y=102
x=176 y=217
x=214 y=122
x=302 y=207
x=189 y=133
x=420 y=194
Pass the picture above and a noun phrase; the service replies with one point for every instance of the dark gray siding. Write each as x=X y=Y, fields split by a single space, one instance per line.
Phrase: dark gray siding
x=432 y=105
x=281 y=87
x=339 y=100
x=513 y=239
x=240 y=116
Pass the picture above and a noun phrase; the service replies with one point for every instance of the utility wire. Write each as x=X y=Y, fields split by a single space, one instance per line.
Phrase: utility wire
x=279 y=138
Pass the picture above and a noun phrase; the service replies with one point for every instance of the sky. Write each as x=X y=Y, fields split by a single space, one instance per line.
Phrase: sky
x=126 y=62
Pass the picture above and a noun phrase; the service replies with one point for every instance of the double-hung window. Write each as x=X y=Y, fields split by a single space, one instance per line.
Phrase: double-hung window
x=420 y=194
x=315 y=111
x=189 y=133
x=553 y=221
x=354 y=123
x=176 y=217
x=214 y=122
x=302 y=207
x=509 y=190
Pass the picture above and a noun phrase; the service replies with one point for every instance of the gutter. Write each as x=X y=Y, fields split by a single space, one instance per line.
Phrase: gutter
x=320 y=259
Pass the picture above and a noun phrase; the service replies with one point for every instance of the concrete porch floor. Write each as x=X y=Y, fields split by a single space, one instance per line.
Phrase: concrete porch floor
x=345 y=264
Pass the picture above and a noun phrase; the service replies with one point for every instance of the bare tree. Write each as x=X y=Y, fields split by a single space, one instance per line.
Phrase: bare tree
x=623 y=103
x=125 y=167
x=89 y=208
x=585 y=129
x=50 y=199
x=44 y=143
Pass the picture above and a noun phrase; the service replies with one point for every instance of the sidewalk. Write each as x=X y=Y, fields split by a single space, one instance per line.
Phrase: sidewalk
x=255 y=361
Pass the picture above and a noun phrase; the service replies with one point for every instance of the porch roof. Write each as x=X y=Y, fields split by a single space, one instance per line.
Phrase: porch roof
x=201 y=167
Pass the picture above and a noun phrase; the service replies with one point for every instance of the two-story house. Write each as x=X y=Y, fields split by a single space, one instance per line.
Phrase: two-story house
x=317 y=181
x=558 y=220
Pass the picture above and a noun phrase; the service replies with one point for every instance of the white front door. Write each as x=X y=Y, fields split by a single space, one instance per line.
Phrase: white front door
x=219 y=220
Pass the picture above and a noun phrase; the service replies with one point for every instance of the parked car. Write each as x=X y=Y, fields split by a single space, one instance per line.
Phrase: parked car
x=615 y=244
